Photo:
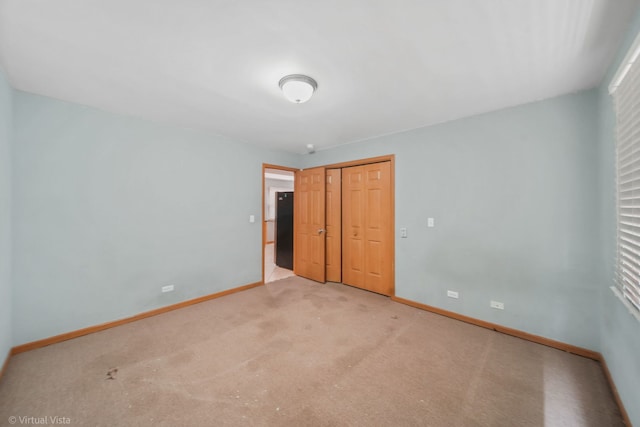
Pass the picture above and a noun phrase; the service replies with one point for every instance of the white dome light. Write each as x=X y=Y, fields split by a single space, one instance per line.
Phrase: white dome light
x=297 y=87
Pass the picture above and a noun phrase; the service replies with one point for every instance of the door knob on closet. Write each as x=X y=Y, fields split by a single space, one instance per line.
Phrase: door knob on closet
x=321 y=230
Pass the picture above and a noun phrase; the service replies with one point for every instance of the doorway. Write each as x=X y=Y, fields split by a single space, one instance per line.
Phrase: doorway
x=277 y=223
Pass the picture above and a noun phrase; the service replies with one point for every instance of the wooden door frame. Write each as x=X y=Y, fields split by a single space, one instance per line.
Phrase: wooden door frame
x=360 y=162
x=266 y=166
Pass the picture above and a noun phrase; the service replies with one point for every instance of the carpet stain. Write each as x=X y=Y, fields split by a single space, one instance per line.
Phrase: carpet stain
x=318 y=301
x=182 y=358
x=271 y=327
x=111 y=374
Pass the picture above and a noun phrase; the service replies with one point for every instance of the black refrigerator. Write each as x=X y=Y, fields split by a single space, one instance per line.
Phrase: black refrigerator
x=284 y=230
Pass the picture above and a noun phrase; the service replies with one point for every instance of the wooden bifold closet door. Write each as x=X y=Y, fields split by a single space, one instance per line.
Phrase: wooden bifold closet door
x=334 y=225
x=367 y=244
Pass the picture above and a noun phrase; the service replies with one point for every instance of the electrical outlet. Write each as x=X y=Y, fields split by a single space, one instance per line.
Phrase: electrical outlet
x=431 y=222
x=403 y=232
x=168 y=288
x=497 y=304
x=452 y=294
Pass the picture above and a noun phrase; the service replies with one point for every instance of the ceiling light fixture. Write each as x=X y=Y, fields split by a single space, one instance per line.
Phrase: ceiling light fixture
x=297 y=87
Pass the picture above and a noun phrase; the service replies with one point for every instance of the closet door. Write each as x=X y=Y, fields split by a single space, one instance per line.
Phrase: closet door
x=334 y=229
x=366 y=227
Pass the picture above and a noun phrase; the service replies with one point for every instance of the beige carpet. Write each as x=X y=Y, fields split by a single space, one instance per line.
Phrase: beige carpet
x=297 y=353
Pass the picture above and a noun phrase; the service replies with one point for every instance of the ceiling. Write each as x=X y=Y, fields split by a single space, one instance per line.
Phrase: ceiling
x=381 y=66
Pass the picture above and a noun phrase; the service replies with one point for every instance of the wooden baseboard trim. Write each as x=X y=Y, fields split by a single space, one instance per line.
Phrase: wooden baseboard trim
x=97 y=328
x=533 y=338
x=614 y=391
x=5 y=364
x=503 y=329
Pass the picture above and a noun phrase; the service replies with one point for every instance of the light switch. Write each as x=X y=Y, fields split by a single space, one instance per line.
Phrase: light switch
x=403 y=233
x=252 y=218
x=431 y=222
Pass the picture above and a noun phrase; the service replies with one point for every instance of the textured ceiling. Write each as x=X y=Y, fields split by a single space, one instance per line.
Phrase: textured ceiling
x=381 y=66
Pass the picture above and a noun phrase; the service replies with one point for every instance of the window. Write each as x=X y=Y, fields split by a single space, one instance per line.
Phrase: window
x=625 y=90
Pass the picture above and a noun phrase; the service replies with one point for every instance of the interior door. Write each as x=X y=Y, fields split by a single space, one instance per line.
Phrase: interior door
x=334 y=225
x=367 y=229
x=309 y=224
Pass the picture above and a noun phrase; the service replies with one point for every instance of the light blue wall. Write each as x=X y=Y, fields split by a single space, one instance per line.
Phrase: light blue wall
x=108 y=209
x=619 y=330
x=512 y=194
x=6 y=124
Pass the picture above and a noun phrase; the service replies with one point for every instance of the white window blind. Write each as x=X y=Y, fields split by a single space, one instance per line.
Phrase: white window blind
x=626 y=95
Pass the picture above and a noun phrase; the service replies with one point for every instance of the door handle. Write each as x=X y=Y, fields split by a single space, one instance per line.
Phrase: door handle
x=321 y=230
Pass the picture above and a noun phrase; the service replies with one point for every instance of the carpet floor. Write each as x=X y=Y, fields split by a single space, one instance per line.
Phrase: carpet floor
x=298 y=353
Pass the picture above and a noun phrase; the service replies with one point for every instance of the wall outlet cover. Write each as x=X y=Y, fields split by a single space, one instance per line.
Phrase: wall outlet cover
x=497 y=305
